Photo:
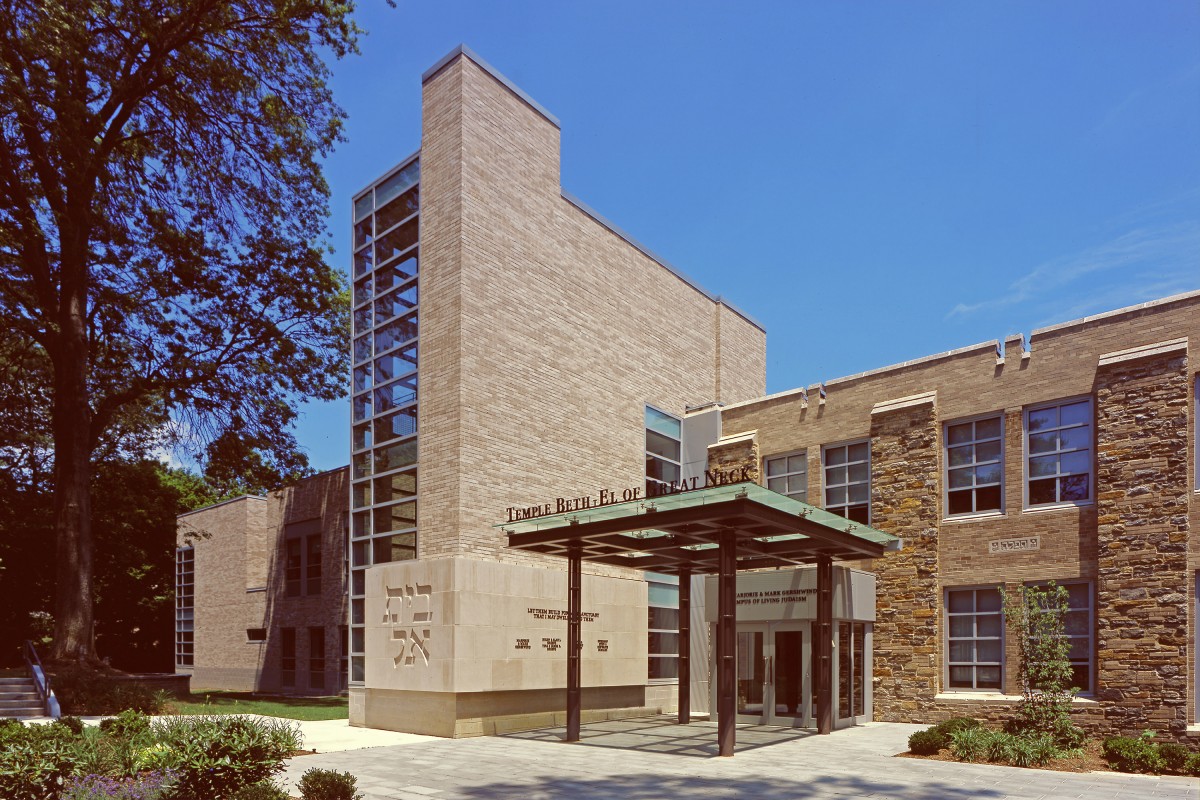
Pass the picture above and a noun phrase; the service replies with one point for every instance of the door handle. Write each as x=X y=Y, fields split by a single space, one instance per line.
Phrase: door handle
x=770 y=676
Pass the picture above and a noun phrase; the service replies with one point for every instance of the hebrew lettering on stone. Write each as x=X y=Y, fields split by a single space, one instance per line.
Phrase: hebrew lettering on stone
x=408 y=610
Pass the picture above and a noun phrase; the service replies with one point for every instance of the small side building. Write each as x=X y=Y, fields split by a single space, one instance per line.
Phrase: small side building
x=261 y=597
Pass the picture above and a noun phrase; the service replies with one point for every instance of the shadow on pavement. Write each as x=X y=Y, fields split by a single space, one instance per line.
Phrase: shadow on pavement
x=657 y=786
x=659 y=735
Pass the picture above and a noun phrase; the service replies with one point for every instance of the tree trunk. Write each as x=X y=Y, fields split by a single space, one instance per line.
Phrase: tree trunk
x=73 y=624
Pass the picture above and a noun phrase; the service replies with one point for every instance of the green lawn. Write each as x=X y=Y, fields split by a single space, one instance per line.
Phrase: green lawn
x=306 y=708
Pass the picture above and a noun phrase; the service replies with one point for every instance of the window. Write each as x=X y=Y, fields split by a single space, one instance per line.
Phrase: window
x=974 y=638
x=663 y=451
x=256 y=635
x=293 y=566
x=185 y=606
x=312 y=567
x=788 y=475
x=1077 y=626
x=975 y=466
x=848 y=481
x=663 y=627
x=316 y=658
x=287 y=656
x=344 y=668
x=1058 y=452
x=852 y=638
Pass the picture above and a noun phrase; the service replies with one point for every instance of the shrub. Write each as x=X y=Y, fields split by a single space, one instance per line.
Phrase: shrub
x=147 y=786
x=11 y=722
x=997 y=745
x=326 y=784
x=74 y=724
x=925 y=743
x=128 y=725
x=970 y=744
x=1174 y=757
x=1129 y=754
x=217 y=756
x=34 y=760
x=260 y=791
x=943 y=730
x=82 y=691
x=1193 y=765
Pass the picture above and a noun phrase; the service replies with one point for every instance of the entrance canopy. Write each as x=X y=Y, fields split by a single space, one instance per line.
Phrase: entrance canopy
x=681 y=533
x=721 y=529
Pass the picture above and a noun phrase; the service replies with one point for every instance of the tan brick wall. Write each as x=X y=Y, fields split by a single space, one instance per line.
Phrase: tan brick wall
x=544 y=332
x=1062 y=364
x=240 y=584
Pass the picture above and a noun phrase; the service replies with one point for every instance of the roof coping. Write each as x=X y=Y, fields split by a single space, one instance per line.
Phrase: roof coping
x=463 y=50
x=1175 y=298
x=662 y=262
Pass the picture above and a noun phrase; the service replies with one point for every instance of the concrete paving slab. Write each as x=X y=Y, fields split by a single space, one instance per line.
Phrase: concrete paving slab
x=653 y=758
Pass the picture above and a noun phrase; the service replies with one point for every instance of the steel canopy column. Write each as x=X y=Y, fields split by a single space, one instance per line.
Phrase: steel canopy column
x=823 y=640
x=685 y=647
x=574 y=639
x=727 y=644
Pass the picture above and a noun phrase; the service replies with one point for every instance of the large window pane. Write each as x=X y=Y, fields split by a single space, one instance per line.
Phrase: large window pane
x=396 y=302
x=396 y=363
x=394 y=426
x=396 y=517
x=396 y=332
x=396 y=273
x=848 y=481
x=397 y=184
x=403 y=206
x=394 y=456
x=974 y=638
x=396 y=394
x=1059 y=457
x=397 y=547
x=975 y=469
x=396 y=487
x=396 y=241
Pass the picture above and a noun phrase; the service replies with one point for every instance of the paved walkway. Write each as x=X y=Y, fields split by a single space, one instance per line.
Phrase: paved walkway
x=644 y=759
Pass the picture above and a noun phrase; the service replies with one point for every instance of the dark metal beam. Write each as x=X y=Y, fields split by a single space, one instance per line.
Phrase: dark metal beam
x=823 y=641
x=685 y=647
x=574 y=641
x=727 y=645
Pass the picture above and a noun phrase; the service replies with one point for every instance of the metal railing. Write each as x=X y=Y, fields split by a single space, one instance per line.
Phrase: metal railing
x=41 y=680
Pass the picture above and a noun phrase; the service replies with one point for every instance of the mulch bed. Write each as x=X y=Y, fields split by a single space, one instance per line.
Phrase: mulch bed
x=1090 y=760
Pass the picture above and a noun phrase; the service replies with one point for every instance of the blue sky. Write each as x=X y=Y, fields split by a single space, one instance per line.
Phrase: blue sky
x=872 y=181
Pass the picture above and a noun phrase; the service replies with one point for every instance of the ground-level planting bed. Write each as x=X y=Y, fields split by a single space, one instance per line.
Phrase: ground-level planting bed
x=1061 y=747
x=1090 y=758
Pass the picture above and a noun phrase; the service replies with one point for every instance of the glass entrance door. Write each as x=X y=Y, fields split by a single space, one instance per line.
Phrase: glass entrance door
x=774 y=680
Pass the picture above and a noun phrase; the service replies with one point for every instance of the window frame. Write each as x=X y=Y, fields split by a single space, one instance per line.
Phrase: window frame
x=287 y=661
x=1027 y=455
x=185 y=607
x=1090 y=585
x=314 y=572
x=767 y=476
x=646 y=429
x=946 y=639
x=847 y=444
x=657 y=578
x=946 y=514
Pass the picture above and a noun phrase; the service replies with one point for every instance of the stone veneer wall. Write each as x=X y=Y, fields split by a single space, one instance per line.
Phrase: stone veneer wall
x=1142 y=475
x=904 y=503
x=735 y=453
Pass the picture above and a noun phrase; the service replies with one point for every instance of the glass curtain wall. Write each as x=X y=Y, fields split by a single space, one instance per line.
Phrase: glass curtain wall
x=383 y=461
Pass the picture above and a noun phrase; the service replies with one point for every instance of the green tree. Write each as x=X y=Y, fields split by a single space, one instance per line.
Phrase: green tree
x=1037 y=614
x=161 y=225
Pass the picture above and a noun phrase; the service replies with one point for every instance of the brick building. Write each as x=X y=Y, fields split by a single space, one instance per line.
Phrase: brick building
x=511 y=346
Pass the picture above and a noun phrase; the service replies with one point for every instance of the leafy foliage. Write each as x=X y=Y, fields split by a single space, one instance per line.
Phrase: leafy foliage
x=162 y=273
x=73 y=724
x=260 y=791
x=1038 y=613
x=217 y=756
x=925 y=743
x=327 y=784
x=1133 y=754
x=128 y=725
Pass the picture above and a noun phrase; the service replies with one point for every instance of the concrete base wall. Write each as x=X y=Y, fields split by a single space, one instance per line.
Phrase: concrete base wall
x=488 y=713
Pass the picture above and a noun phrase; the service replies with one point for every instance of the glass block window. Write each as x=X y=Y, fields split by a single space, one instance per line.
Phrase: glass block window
x=848 y=480
x=975 y=466
x=788 y=475
x=1058 y=452
x=974 y=639
x=663 y=627
x=663 y=451
x=185 y=606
